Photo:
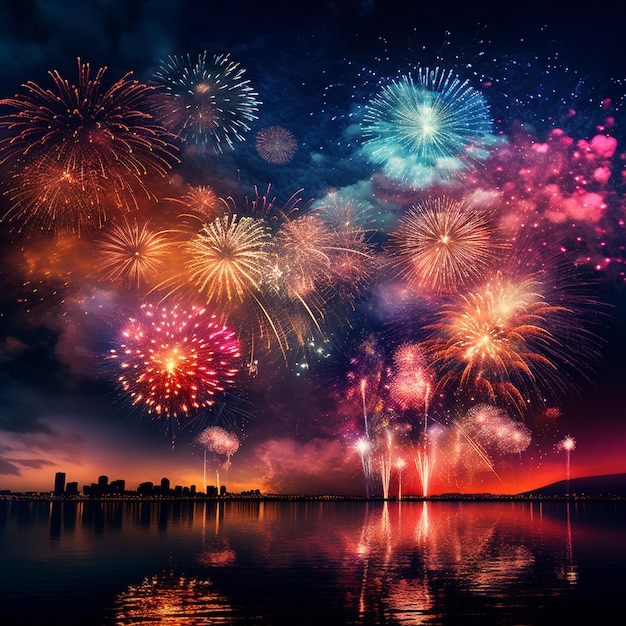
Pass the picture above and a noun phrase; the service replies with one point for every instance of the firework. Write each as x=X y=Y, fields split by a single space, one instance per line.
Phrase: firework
x=303 y=257
x=491 y=427
x=504 y=339
x=176 y=361
x=363 y=446
x=276 y=144
x=400 y=465
x=411 y=382
x=228 y=259
x=385 y=466
x=130 y=253
x=49 y=195
x=203 y=202
x=443 y=245
x=567 y=444
x=219 y=440
x=102 y=142
x=208 y=99
x=424 y=465
x=434 y=126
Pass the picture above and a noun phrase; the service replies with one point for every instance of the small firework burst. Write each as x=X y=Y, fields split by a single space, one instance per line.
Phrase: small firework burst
x=410 y=383
x=492 y=427
x=174 y=361
x=208 y=100
x=203 y=202
x=219 y=440
x=276 y=144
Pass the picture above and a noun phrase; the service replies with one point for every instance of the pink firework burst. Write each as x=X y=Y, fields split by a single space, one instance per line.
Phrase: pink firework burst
x=176 y=361
x=276 y=144
x=411 y=382
x=219 y=440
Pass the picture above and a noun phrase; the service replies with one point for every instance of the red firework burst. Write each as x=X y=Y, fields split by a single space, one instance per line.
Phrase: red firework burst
x=76 y=147
x=176 y=361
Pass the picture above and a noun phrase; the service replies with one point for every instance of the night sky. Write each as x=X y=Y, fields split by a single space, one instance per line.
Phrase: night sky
x=546 y=172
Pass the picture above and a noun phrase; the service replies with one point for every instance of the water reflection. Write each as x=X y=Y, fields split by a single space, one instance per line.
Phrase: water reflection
x=172 y=599
x=264 y=562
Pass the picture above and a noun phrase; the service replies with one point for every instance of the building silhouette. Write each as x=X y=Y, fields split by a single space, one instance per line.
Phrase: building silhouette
x=59 y=483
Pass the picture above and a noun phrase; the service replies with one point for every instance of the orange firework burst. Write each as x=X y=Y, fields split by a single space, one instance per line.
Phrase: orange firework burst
x=49 y=195
x=131 y=253
x=443 y=244
x=498 y=340
x=176 y=361
x=203 y=202
x=303 y=256
x=102 y=142
x=276 y=144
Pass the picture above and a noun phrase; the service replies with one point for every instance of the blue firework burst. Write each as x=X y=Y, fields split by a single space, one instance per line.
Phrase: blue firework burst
x=430 y=128
x=209 y=102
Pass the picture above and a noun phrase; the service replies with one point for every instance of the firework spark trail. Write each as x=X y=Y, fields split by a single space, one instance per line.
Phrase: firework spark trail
x=400 y=465
x=176 y=361
x=363 y=386
x=567 y=444
x=363 y=446
x=478 y=449
x=385 y=466
x=424 y=465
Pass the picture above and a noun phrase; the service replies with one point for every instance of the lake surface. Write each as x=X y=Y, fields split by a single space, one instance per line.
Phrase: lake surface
x=323 y=563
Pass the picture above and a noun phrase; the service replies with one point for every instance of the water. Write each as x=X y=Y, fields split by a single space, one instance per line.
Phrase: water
x=323 y=563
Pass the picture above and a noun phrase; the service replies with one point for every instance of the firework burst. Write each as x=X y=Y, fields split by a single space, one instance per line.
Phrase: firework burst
x=174 y=361
x=491 y=427
x=131 y=253
x=434 y=126
x=219 y=440
x=410 y=384
x=228 y=259
x=203 y=203
x=208 y=99
x=276 y=144
x=503 y=340
x=98 y=142
x=443 y=245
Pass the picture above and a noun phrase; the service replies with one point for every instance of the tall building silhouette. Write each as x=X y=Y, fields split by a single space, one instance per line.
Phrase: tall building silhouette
x=59 y=483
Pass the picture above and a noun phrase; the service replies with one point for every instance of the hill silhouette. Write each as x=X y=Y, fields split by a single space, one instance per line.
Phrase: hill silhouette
x=593 y=486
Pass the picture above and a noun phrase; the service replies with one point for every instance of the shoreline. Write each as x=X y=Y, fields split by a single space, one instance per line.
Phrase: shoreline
x=199 y=498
